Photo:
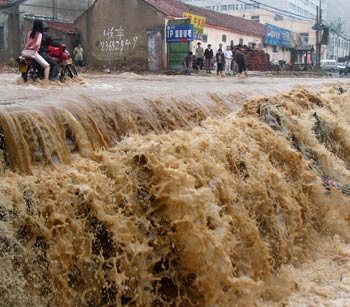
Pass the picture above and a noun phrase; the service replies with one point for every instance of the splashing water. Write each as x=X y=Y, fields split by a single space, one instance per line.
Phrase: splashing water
x=205 y=217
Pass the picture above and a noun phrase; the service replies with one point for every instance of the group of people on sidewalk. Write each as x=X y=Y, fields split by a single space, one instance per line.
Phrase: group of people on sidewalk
x=229 y=61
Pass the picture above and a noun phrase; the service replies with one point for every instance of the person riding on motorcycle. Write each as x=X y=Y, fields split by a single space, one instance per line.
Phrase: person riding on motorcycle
x=32 y=47
x=44 y=52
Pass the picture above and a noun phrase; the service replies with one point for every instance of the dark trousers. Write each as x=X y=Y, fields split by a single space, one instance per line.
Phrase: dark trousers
x=241 y=68
x=220 y=67
x=208 y=63
x=199 y=63
x=55 y=68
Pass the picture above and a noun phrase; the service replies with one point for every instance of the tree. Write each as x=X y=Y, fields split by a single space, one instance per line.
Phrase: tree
x=338 y=25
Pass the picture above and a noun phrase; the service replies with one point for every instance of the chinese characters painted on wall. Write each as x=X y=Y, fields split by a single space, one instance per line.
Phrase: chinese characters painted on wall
x=115 y=40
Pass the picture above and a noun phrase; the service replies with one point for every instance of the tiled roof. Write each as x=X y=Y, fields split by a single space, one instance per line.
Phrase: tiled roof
x=62 y=26
x=3 y=2
x=9 y=3
x=176 y=9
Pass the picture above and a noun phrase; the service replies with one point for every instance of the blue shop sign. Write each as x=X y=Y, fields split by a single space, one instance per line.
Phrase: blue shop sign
x=276 y=36
x=179 y=33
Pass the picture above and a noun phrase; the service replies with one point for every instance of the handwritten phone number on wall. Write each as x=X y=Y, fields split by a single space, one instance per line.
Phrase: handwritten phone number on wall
x=118 y=45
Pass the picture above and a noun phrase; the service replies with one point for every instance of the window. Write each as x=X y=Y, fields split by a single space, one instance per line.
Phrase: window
x=278 y=17
x=205 y=38
x=224 y=38
x=2 y=38
x=304 y=38
x=223 y=7
x=241 y=41
x=255 y=18
x=231 y=7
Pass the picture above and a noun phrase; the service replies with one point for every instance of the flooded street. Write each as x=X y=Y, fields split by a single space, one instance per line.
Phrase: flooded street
x=130 y=85
x=150 y=190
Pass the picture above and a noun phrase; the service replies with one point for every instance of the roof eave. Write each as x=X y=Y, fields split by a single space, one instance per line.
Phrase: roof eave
x=225 y=28
x=6 y=6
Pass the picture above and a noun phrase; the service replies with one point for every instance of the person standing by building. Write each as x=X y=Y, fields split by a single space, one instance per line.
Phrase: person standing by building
x=220 y=62
x=242 y=62
x=221 y=46
x=199 y=56
x=209 y=55
x=187 y=63
x=234 y=66
x=228 y=60
x=79 y=57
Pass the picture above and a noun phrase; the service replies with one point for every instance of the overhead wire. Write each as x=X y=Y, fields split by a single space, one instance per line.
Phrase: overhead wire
x=51 y=7
x=279 y=12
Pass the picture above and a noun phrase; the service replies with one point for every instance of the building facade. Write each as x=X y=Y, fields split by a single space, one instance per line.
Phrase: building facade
x=17 y=16
x=9 y=31
x=65 y=10
x=338 y=47
x=295 y=9
x=118 y=33
x=302 y=28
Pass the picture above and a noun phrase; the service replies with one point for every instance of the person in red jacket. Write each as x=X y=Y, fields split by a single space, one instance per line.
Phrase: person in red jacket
x=44 y=52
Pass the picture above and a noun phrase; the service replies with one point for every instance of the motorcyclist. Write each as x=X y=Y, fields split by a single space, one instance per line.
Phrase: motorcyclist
x=44 y=52
x=32 y=47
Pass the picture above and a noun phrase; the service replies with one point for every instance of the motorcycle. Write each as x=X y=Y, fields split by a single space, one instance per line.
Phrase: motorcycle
x=29 y=68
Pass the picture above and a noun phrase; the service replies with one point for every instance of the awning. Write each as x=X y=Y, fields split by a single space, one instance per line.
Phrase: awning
x=304 y=48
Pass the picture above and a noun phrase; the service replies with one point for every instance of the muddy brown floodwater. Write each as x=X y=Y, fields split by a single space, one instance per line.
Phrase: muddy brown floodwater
x=128 y=190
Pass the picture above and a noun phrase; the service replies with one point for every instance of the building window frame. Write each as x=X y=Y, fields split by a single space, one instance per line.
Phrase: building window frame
x=255 y=18
x=2 y=37
x=205 y=38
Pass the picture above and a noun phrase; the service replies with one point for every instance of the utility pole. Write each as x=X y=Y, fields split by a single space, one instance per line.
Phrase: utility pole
x=318 y=35
x=54 y=10
x=16 y=26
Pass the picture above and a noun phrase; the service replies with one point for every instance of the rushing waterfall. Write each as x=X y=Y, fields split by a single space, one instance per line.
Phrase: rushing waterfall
x=169 y=204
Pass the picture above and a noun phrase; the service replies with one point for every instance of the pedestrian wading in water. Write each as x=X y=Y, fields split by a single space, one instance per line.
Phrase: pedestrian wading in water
x=220 y=63
x=242 y=62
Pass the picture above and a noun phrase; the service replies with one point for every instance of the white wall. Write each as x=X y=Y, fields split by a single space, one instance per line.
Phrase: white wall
x=281 y=55
x=4 y=23
x=338 y=47
x=215 y=37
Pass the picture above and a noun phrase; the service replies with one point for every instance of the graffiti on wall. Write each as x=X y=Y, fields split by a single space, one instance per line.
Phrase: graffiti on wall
x=115 y=40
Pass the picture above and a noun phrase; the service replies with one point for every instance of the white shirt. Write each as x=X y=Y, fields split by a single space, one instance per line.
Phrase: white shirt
x=228 y=54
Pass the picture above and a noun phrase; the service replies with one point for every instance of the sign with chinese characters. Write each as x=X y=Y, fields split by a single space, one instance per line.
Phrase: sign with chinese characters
x=197 y=21
x=179 y=33
x=198 y=37
x=276 y=36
